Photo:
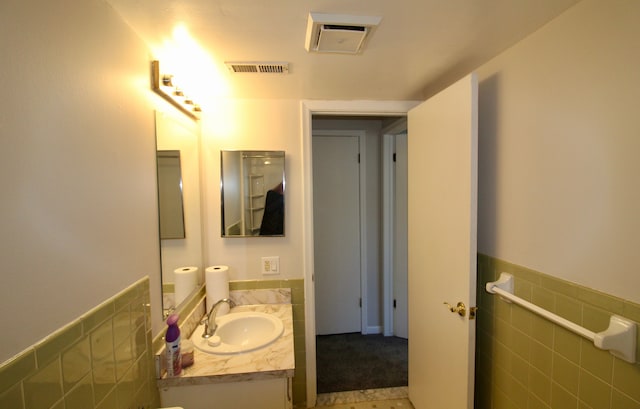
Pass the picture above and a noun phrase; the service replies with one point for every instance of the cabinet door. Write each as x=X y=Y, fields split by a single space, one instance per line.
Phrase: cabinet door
x=263 y=394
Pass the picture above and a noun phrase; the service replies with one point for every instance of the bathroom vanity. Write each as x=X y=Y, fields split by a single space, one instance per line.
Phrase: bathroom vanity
x=255 y=379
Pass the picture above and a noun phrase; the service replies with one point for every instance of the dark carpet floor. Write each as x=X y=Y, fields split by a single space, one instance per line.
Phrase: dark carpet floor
x=349 y=362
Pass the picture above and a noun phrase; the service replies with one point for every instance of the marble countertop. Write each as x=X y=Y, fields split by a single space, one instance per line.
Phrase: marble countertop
x=275 y=360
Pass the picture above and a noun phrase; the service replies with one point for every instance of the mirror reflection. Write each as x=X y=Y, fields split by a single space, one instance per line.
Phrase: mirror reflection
x=252 y=189
x=170 y=195
x=177 y=144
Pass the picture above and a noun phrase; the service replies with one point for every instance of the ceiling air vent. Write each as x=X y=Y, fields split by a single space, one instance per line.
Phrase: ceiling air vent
x=336 y=33
x=258 y=67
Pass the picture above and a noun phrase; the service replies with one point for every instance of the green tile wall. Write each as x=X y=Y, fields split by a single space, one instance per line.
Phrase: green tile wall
x=524 y=361
x=102 y=360
x=297 y=301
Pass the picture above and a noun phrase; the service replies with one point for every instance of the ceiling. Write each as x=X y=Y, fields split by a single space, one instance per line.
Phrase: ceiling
x=420 y=46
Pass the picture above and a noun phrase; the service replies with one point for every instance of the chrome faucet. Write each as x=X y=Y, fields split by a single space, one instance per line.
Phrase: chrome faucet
x=209 y=321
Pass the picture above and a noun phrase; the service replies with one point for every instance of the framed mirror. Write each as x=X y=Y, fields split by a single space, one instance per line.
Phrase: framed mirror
x=252 y=193
x=178 y=154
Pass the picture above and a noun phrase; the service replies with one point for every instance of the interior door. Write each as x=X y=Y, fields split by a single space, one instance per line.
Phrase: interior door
x=400 y=296
x=336 y=221
x=442 y=202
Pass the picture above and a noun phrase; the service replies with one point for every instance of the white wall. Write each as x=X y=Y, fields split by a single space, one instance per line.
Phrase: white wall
x=559 y=142
x=78 y=208
x=254 y=125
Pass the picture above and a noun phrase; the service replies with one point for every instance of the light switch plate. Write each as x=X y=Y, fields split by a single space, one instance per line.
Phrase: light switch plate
x=270 y=265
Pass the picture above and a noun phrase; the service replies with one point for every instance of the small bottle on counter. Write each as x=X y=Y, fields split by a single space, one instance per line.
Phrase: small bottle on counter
x=187 y=353
x=172 y=348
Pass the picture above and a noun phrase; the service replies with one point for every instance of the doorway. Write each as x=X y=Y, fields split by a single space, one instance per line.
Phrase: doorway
x=354 y=248
x=309 y=108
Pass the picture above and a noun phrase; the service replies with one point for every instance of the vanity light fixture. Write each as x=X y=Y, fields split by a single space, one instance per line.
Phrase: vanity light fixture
x=164 y=85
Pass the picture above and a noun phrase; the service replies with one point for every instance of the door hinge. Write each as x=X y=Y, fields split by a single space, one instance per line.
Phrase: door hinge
x=394 y=156
x=358 y=158
x=395 y=304
x=360 y=302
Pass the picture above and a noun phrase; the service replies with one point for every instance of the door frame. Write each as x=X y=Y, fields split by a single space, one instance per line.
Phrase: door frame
x=362 y=192
x=307 y=109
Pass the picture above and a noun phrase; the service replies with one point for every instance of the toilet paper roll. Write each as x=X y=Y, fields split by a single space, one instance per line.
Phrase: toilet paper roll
x=185 y=280
x=217 y=283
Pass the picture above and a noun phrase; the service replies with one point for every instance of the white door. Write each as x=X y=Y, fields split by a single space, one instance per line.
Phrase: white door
x=442 y=192
x=336 y=221
x=400 y=297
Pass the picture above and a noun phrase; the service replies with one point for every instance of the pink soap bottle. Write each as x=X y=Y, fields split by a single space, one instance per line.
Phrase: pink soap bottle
x=172 y=349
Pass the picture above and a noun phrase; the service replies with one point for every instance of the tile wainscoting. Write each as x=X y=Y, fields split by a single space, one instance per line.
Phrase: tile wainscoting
x=102 y=360
x=524 y=361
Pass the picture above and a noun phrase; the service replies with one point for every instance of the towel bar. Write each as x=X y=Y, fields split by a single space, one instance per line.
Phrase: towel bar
x=619 y=339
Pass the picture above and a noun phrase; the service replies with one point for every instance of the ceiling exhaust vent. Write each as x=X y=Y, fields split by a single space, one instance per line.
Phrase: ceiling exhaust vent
x=337 y=33
x=258 y=67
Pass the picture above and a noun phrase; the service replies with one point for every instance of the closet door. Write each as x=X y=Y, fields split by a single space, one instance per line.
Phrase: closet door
x=336 y=224
x=400 y=277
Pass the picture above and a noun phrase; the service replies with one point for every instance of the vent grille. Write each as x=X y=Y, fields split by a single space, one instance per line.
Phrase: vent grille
x=341 y=27
x=258 y=67
x=338 y=33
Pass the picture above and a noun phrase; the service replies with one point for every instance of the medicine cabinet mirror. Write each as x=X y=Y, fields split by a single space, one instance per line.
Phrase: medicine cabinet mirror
x=252 y=193
x=178 y=154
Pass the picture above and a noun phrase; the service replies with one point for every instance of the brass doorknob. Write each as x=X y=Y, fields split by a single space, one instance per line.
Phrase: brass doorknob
x=460 y=308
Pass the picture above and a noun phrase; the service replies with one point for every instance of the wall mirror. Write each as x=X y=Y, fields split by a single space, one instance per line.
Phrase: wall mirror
x=252 y=188
x=179 y=203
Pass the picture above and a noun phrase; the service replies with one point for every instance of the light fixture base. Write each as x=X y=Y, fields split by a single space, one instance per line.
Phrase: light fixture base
x=163 y=85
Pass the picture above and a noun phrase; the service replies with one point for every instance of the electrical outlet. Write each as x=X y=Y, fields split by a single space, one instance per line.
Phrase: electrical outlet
x=270 y=265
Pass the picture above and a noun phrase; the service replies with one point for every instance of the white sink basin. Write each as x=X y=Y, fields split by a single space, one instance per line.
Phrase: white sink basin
x=239 y=332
